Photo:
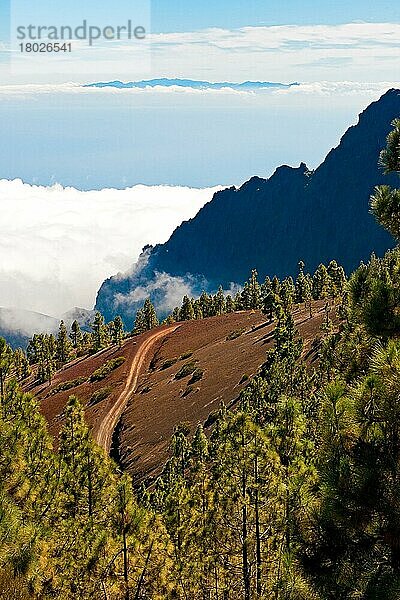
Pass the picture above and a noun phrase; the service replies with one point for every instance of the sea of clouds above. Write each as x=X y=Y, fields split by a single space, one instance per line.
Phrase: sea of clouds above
x=351 y=51
x=57 y=244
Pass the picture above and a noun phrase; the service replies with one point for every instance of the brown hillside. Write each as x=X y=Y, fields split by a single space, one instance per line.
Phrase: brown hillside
x=223 y=350
x=53 y=404
x=162 y=401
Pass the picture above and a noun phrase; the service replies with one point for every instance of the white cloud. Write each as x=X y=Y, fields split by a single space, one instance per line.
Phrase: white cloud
x=165 y=290
x=288 y=37
x=339 y=89
x=352 y=51
x=170 y=291
x=126 y=95
x=29 y=90
x=58 y=244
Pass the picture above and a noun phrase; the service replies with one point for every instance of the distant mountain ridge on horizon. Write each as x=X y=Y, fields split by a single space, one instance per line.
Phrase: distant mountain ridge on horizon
x=270 y=224
x=193 y=84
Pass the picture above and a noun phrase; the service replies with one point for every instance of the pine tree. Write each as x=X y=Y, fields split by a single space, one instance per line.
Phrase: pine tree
x=129 y=521
x=99 y=334
x=287 y=293
x=117 y=331
x=268 y=298
x=205 y=304
x=124 y=523
x=276 y=285
x=288 y=345
x=169 y=320
x=140 y=323
x=76 y=336
x=26 y=487
x=87 y=341
x=199 y=519
x=32 y=350
x=303 y=287
x=245 y=297
x=198 y=313
x=88 y=493
x=337 y=278
x=64 y=347
x=254 y=291
x=74 y=441
x=251 y=294
x=186 y=312
x=146 y=318
x=21 y=365
x=230 y=304
x=385 y=202
x=321 y=283
x=298 y=477
x=219 y=302
x=6 y=361
x=45 y=354
x=238 y=301
x=150 y=315
x=248 y=500
x=326 y=326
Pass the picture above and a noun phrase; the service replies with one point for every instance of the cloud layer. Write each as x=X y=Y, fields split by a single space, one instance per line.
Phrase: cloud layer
x=157 y=93
x=58 y=244
x=352 y=51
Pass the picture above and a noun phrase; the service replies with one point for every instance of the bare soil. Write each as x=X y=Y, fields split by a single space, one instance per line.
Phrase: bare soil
x=225 y=351
x=162 y=401
x=53 y=404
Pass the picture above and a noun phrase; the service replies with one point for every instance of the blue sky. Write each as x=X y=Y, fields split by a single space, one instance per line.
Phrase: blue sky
x=215 y=40
x=4 y=20
x=94 y=139
x=189 y=15
x=181 y=15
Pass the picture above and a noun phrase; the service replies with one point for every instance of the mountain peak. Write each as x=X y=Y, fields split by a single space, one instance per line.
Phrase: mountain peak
x=387 y=102
x=288 y=171
x=270 y=224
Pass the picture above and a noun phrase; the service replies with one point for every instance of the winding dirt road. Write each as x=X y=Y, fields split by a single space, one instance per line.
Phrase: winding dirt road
x=104 y=434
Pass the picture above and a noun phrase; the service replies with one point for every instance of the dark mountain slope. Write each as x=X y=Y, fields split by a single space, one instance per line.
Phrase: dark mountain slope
x=272 y=224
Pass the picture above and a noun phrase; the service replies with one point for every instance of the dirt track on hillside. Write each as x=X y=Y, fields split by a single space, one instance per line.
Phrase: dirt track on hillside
x=228 y=350
x=106 y=428
x=144 y=399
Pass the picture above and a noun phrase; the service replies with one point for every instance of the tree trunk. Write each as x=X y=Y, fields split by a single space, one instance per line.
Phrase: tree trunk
x=126 y=567
x=90 y=490
x=258 y=534
x=143 y=573
x=245 y=558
